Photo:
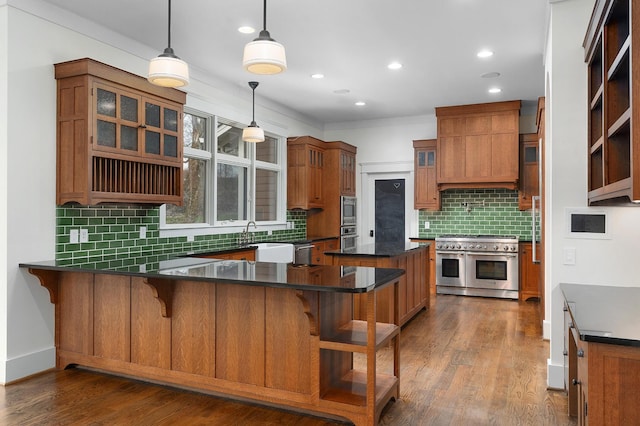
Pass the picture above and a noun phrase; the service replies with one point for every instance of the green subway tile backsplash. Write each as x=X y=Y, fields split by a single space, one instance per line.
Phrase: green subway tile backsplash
x=114 y=232
x=498 y=216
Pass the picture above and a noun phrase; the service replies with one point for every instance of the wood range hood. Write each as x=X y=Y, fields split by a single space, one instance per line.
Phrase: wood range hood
x=478 y=146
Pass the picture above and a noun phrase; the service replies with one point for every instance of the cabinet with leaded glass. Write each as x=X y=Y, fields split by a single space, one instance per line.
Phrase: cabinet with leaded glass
x=119 y=137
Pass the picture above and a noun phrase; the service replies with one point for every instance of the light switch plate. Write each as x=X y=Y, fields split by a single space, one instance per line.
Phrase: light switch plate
x=143 y=232
x=569 y=256
x=74 y=236
x=427 y=225
x=84 y=235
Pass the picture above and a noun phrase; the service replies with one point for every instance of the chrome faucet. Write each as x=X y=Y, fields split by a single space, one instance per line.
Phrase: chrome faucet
x=245 y=237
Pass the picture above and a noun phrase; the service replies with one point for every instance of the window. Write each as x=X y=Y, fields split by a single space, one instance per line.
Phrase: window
x=227 y=181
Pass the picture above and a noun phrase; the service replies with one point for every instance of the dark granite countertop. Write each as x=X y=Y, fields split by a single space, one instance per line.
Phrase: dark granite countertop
x=604 y=314
x=377 y=250
x=334 y=278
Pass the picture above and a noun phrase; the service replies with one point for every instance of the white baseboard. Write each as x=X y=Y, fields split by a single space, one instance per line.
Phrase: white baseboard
x=555 y=375
x=29 y=364
x=546 y=330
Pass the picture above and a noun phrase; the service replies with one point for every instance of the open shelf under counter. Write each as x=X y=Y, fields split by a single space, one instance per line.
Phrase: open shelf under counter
x=352 y=388
x=352 y=337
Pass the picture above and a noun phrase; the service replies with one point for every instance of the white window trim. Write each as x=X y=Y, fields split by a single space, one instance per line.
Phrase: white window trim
x=227 y=227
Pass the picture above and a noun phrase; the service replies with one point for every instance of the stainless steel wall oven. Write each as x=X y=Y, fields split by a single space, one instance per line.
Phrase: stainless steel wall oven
x=477 y=265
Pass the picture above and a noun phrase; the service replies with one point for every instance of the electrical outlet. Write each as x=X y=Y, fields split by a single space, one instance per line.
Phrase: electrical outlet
x=290 y=225
x=73 y=236
x=427 y=225
x=269 y=232
x=143 y=232
x=84 y=235
x=190 y=238
x=143 y=268
x=569 y=256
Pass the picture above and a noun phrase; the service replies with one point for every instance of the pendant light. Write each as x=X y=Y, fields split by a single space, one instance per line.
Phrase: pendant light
x=253 y=133
x=264 y=55
x=167 y=69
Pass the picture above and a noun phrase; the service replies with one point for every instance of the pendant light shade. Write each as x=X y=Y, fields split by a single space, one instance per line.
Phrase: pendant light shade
x=167 y=69
x=253 y=133
x=264 y=55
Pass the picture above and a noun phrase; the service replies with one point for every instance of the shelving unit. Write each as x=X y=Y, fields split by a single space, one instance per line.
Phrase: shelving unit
x=363 y=386
x=119 y=138
x=614 y=163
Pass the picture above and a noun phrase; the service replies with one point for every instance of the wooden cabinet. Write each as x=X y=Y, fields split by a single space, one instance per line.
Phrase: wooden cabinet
x=603 y=380
x=305 y=165
x=413 y=290
x=431 y=262
x=339 y=179
x=320 y=247
x=613 y=140
x=119 y=138
x=529 y=170
x=340 y=159
x=427 y=196
x=478 y=145
x=529 y=272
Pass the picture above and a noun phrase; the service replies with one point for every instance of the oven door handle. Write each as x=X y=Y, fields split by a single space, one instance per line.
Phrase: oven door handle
x=479 y=253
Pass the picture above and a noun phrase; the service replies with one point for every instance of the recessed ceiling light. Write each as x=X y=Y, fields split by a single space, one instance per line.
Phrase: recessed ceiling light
x=490 y=75
x=485 y=54
x=247 y=30
x=317 y=75
x=495 y=90
x=360 y=103
x=341 y=91
x=394 y=66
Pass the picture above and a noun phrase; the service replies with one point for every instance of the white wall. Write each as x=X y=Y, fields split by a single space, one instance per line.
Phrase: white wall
x=30 y=43
x=602 y=262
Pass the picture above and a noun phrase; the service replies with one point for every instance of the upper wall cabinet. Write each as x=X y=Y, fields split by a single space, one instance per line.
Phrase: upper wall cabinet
x=613 y=142
x=119 y=138
x=529 y=170
x=426 y=194
x=305 y=165
x=478 y=145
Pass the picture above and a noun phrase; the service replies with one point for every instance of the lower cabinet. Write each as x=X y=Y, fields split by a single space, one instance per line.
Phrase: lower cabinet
x=413 y=292
x=602 y=381
x=320 y=247
x=529 y=272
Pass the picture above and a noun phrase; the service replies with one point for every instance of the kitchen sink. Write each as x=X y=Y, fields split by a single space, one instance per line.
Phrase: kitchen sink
x=274 y=252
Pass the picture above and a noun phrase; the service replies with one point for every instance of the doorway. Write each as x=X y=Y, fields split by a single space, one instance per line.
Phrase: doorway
x=389 y=211
x=372 y=172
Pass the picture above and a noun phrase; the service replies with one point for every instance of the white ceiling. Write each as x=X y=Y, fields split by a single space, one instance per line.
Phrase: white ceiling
x=350 y=42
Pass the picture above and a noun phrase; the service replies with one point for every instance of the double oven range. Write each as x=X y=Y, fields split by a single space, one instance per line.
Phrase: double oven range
x=477 y=265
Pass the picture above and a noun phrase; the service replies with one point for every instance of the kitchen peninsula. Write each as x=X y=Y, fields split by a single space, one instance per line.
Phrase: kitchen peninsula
x=413 y=291
x=280 y=334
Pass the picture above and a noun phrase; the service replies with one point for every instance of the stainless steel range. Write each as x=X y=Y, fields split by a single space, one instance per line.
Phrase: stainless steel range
x=477 y=265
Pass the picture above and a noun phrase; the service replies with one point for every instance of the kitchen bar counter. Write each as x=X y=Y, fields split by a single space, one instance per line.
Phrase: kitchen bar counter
x=414 y=292
x=273 y=333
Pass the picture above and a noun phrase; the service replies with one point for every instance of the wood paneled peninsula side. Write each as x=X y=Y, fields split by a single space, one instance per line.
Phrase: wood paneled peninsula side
x=414 y=285
x=274 y=333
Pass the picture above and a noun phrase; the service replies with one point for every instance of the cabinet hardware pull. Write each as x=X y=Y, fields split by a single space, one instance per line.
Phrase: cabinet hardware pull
x=580 y=353
x=575 y=382
x=142 y=126
x=565 y=353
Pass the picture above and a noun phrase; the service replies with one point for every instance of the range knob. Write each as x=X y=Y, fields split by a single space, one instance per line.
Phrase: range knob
x=458 y=246
x=446 y=246
x=513 y=248
x=495 y=247
x=506 y=248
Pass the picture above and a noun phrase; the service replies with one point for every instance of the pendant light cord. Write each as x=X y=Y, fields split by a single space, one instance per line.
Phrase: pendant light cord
x=169 y=26
x=264 y=15
x=253 y=103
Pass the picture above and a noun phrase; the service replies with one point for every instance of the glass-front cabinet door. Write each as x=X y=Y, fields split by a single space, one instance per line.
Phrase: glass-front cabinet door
x=161 y=130
x=129 y=124
x=117 y=121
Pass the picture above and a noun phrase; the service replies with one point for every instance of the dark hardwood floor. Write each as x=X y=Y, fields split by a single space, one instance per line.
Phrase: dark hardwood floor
x=465 y=361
